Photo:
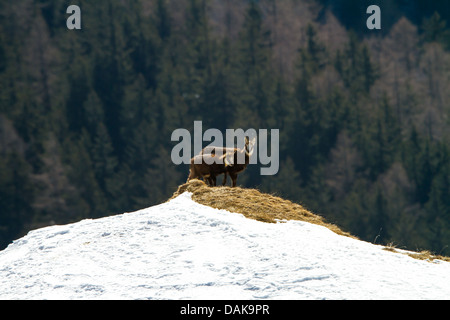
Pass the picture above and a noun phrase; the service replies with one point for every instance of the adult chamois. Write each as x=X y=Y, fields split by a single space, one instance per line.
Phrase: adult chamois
x=213 y=161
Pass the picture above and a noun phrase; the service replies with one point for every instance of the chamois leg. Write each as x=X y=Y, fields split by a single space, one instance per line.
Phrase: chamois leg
x=224 y=182
x=213 y=180
x=210 y=180
x=233 y=179
x=192 y=175
x=207 y=179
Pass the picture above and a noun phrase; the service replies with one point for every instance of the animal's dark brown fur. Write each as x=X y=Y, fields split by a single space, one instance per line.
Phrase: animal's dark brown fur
x=223 y=163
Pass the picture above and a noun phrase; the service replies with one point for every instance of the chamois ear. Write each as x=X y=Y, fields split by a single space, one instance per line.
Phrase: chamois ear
x=225 y=160
x=249 y=147
x=228 y=159
x=249 y=153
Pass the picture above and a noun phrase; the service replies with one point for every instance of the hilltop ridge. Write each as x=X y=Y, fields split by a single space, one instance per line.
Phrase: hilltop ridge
x=256 y=205
x=253 y=204
x=181 y=249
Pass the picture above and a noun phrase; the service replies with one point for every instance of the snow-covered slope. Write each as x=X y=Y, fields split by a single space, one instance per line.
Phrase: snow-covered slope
x=184 y=250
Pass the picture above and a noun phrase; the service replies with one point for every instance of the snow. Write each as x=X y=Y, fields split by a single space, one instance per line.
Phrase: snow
x=183 y=250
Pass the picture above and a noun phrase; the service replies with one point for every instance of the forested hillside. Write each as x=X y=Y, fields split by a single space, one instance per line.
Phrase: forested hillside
x=86 y=115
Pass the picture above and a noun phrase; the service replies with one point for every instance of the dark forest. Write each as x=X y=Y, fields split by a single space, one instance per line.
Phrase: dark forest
x=86 y=115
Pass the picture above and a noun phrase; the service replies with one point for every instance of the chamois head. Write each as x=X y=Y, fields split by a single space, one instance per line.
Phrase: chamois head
x=240 y=156
x=232 y=162
x=249 y=146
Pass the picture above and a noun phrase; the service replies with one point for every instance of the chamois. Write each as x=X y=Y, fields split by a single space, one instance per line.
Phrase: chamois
x=227 y=163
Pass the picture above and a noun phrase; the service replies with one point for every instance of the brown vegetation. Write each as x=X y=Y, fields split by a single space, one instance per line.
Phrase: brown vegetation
x=422 y=255
x=263 y=207
x=253 y=204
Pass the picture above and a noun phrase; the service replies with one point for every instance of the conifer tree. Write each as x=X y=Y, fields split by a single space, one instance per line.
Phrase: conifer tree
x=438 y=205
x=254 y=67
x=103 y=159
x=79 y=160
x=160 y=180
x=16 y=196
x=55 y=194
x=286 y=183
x=435 y=29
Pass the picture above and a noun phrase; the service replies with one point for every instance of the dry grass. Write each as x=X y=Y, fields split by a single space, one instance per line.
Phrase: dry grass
x=253 y=204
x=259 y=206
x=422 y=255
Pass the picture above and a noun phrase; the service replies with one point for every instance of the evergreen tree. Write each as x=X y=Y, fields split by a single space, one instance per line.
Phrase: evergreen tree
x=92 y=203
x=163 y=20
x=356 y=67
x=103 y=159
x=309 y=119
x=79 y=91
x=120 y=190
x=55 y=195
x=381 y=146
x=438 y=205
x=254 y=67
x=160 y=180
x=435 y=29
x=286 y=183
x=380 y=216
x=16 y=196
x=93 y=113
